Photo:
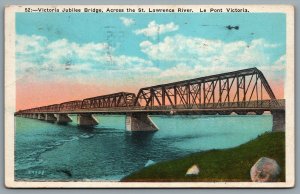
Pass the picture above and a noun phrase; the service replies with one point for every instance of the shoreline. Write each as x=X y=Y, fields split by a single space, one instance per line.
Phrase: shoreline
x=217 y=165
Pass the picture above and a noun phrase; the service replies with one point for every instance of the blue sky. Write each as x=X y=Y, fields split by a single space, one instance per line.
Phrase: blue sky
x=145 y=49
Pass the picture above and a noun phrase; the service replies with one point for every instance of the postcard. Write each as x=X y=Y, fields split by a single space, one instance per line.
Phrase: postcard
x=149 y=96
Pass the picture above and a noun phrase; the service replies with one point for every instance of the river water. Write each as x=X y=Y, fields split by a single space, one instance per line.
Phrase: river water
x=53 y=152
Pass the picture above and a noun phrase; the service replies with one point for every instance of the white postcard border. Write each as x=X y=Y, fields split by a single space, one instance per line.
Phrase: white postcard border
x=10 y=99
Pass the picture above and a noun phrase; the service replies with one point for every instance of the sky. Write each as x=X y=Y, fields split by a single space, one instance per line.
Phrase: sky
x=70 y=56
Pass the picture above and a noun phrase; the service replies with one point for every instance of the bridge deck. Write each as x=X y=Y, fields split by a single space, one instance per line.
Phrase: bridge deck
x=254 y=106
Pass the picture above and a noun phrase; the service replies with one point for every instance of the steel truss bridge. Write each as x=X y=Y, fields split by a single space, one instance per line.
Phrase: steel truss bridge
x=241 y=92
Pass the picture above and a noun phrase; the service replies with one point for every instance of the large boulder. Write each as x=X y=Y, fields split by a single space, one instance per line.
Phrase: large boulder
x=193 y=170
x=265 y=170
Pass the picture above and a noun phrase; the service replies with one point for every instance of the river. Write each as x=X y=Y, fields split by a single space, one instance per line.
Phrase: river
x=52 y=152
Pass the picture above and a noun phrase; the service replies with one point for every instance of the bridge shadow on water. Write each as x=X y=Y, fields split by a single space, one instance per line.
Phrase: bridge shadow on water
x=86 y=128
x=62 y=124
x=139 y=138
x=69 y=125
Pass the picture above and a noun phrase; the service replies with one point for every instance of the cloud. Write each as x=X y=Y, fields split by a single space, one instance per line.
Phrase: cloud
x=30 y=44
x=174 y=58
x=181 y=48
x=281 y=62
x=204 y=55
x=190 y=57
x=153 y=29
x=127 y=21
x=180 y=70
x=38 y=57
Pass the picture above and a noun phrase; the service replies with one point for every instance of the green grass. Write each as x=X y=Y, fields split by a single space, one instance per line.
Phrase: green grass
x=232 y=164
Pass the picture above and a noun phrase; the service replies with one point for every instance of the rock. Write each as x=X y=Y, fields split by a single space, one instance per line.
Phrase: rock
x=265 y=170
x=149 y=163
x=194 y=170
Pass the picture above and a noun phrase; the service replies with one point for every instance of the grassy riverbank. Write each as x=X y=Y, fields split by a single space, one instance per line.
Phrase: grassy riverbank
x=232 y=164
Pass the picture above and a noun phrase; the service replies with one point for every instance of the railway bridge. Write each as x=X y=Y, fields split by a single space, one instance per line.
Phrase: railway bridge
x=239 y=92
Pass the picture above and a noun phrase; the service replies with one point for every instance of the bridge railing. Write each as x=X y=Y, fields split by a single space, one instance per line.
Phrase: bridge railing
x=252 y=104
x=264 y=104
x=261 y=104
x=268 y=104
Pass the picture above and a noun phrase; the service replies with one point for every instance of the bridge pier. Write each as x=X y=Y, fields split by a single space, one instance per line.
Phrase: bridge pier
x=139 y=122
x=63 y=118
x=41 y=116
x=50 y=117
x=278 y=120
x=35 y=116
x=86 y=120
x=241 y=112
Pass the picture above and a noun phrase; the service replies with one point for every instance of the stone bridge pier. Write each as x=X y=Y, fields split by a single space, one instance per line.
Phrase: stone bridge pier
x=86 y=120
x=41 y=116
x=139 y=122
x=35 y=116
x=63 y=118
x=278 y=120
x=50 y=117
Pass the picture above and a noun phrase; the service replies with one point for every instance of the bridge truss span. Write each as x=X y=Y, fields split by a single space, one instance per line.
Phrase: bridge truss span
x=243 y=89
x=71 y=105
x=121 y=99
